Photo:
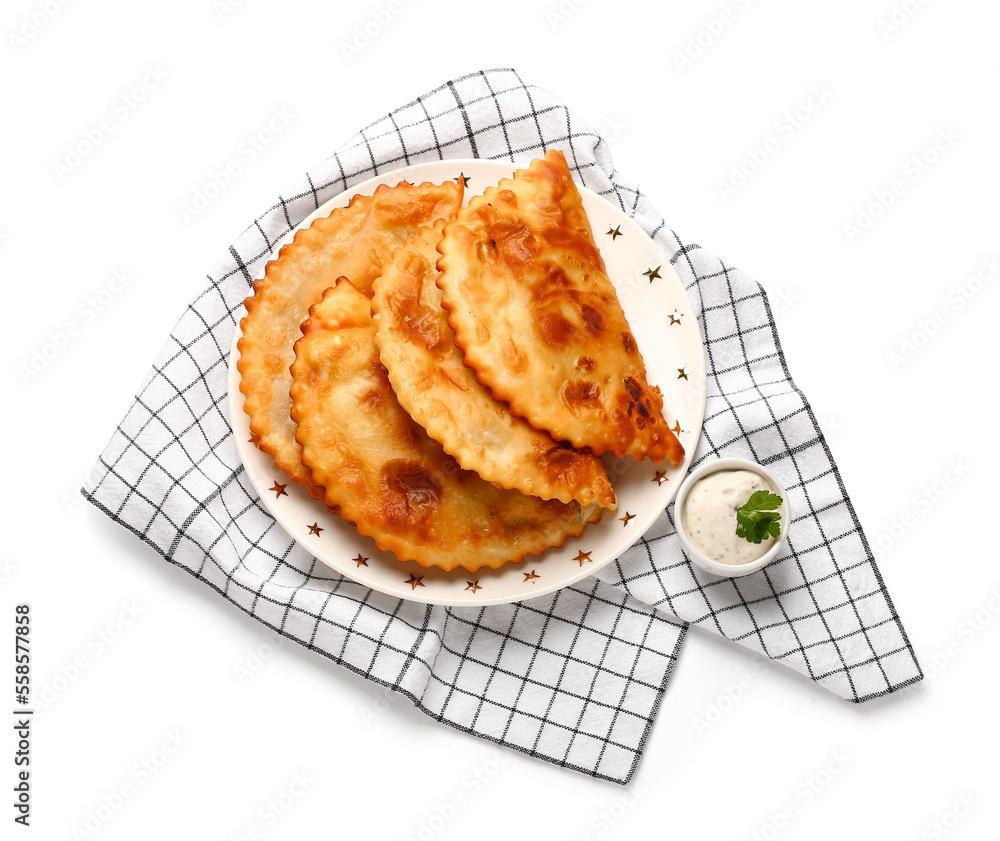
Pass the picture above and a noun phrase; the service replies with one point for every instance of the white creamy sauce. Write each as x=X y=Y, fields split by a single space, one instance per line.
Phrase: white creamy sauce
x=710 y=515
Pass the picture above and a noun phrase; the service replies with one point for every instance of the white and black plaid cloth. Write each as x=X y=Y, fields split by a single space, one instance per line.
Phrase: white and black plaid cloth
x=576 y=677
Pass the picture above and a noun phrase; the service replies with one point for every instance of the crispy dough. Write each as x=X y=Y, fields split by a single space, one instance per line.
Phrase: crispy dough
x=355 y=242
x=440 y=392
x=539 y=320
x=389 y=478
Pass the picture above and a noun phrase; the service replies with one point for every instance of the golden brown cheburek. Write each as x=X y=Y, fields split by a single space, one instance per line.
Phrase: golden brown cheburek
x=539 y=321
x=437 y=389
x=355 y=242
x=387 y=476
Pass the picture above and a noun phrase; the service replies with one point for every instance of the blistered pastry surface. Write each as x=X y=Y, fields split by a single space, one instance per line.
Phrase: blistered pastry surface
x=539 y=320
x=353 y=242
x=441 y=393
x=388 y=477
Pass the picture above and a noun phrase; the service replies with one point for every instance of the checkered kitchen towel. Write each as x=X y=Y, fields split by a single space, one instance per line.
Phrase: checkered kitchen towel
x=575 y=677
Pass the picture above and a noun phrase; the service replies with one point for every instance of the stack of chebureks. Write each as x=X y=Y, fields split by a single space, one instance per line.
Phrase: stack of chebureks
x=446 y=378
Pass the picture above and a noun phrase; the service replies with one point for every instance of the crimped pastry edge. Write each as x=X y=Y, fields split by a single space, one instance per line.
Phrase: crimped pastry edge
x=483 y=365
x=392 y=357
x=297 y=471
x=398 y=546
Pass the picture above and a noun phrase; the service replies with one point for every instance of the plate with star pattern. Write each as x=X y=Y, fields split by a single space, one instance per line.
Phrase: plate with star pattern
x=669 y=337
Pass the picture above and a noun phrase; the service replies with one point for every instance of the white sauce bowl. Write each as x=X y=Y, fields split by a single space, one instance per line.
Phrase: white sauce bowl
x=695 y=555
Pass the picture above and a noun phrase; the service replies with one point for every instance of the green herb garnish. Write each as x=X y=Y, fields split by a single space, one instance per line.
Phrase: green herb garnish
x=758 y=519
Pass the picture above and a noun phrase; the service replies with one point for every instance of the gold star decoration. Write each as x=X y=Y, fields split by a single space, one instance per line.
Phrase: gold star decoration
x=652 y=273
x=473 y=585
x=625 y=520
x=254 y=439
x=614 y=233
x=315 y=529
x=660 y=477
x=279 y=490
x=360 y=560
x=415 y=581
x=675 y=317
x=682 y=373
x=530 y=576
x=464 y=178
x=583 y=556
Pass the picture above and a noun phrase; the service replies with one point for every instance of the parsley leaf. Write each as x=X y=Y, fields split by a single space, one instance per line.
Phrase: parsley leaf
x=758 y=519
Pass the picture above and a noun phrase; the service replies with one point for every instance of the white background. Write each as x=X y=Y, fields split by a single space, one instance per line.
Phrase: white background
x=914 y=437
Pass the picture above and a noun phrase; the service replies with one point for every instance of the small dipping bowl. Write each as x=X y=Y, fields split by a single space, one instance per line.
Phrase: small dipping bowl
x=703 y=561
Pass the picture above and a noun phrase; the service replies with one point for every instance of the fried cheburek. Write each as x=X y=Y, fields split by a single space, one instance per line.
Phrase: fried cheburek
x=396 y=484
x=539 y=321
x=353 y=241
x=440 y=392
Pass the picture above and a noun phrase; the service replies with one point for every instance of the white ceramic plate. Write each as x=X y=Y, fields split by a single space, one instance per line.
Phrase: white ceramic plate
x=669 y=338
